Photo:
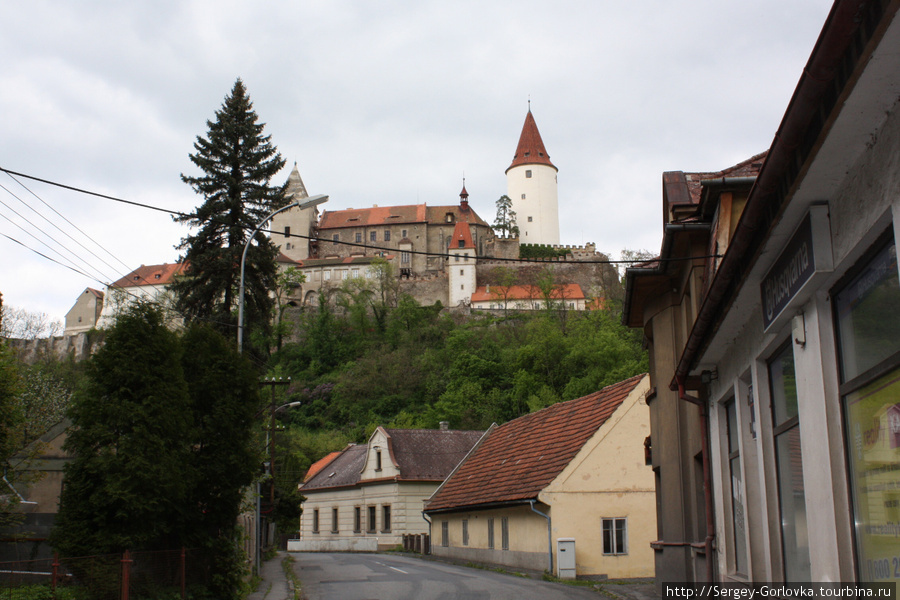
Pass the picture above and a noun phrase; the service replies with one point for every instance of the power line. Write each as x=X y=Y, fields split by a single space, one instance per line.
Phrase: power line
x=368 y=246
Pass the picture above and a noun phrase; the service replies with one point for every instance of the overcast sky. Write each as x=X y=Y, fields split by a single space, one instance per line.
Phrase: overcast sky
x=388 y=103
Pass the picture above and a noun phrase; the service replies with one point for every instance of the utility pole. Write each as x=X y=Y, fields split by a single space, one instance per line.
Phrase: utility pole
x=270 y=435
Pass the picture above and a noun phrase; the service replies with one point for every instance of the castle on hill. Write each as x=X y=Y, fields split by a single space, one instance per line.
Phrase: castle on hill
x=442 y=252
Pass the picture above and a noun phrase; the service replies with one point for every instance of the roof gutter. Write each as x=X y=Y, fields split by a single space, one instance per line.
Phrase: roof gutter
x=831 y=67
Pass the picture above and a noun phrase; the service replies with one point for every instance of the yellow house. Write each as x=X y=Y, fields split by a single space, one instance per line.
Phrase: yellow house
x=566 y=490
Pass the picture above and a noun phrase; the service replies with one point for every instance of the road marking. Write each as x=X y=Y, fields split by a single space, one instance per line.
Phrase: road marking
x=400 y=570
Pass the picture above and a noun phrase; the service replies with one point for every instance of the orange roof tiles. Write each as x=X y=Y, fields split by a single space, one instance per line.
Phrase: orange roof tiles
x=151 y=275
x=568 y=291
x=530 y=150
x=320 y=464
x=518 y=459
x=394 y=215
x=462 y=237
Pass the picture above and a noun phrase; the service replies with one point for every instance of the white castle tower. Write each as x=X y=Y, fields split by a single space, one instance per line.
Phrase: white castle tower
x=531 y=185
x=461 y=259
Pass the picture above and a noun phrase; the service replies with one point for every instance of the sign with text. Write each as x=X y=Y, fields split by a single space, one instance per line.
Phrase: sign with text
x=794 y=267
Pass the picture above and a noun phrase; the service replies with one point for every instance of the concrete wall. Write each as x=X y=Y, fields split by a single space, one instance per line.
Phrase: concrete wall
x=336 y=545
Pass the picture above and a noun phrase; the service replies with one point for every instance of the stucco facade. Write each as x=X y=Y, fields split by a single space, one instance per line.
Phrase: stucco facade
x=606 y=484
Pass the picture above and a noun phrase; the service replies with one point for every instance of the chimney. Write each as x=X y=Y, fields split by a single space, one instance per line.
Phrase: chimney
x=445 y=425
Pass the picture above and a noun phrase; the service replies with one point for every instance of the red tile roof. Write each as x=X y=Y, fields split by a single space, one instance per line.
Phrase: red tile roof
x=520 y=458
x=150 y=275
x=524 y=292
x=378 y=216
x=343 y=470
x=320 y=464
x=530 y=150
x=462 y=234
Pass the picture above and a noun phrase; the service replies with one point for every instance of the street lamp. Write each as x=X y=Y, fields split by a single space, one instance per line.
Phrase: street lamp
x=307 y=203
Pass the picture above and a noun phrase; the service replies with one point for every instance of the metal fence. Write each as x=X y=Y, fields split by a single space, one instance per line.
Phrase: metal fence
x=166 y=575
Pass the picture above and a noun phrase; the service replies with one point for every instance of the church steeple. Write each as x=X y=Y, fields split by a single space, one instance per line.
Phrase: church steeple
x=530 y=150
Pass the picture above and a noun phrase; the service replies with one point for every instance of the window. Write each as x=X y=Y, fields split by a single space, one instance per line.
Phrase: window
x=372 y=525
x=737 y=484
x=523 y=196
x=404 y=258
x=358 y=237
x=457 y=257
x=449 y=217
x=316 y=521
x=336 y=237
x=462 y=272
x=403 y=233
x=378 y=460
x=465 y=532
x=445 y=534
x=789 y=465
x=287 y=232
x=326 y=275
x=354 y=272
x=528 y=174
x=530 y=219
x=387 y=235
x=462 y=243
x=373 y=236
x=357 y=519
x=334 y=520
x=615 y=538
x=504 y=533
x=386 y=518
x=490 y=528
x=869 y=351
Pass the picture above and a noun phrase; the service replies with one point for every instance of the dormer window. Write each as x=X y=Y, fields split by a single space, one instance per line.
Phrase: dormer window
x=462 y=243
x=449 y=217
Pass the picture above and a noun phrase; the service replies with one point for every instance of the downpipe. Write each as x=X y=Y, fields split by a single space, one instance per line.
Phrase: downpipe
x=707 y=475
x=549 y=535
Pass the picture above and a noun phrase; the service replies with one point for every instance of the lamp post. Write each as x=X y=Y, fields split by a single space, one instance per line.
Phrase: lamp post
x=311 y=201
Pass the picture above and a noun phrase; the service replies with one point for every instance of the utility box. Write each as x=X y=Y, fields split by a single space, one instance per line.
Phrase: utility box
x=565 y=558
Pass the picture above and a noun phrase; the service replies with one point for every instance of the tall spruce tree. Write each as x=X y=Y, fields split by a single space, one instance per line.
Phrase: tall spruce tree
x=238 y=163
x=505 y=223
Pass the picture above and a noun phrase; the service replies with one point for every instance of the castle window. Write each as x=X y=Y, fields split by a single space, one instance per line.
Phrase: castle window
x=449 y=217
x=529 y=219
x=403 y=232
x=528 y=174
x=387 y=235
x=461 y=272
x=358 y=237
x=373 y=236
x=287 y=232
x=404 y=258
x=462 y=243
x=523 y=196
x=336 y=237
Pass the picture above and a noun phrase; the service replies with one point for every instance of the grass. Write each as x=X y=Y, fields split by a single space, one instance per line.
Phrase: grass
x=287 y=564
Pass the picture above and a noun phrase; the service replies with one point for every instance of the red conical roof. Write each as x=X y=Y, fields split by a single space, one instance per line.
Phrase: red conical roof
x=530 y=150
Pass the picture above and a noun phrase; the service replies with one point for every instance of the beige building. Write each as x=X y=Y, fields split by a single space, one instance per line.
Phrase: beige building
x=571 y=479
x=567 y=296
x=85 y=313
x=368 y=496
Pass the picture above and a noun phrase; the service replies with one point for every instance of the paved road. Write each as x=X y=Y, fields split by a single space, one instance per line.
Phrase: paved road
x=338 y=576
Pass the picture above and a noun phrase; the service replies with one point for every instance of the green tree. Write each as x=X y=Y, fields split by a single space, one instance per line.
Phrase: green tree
x=11 y=421
x=128 y=482
x=505 y=222
x=224 y=401
x=238 y=163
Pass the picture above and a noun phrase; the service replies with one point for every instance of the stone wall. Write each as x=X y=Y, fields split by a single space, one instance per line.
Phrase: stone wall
x=79 y=346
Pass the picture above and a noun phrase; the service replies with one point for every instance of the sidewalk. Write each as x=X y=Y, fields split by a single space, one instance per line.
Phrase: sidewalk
x=274 y=585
